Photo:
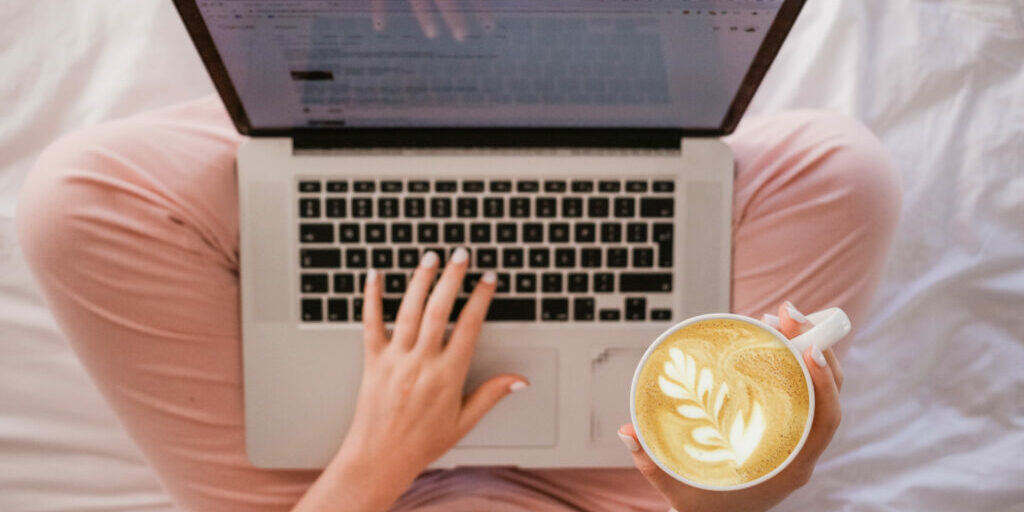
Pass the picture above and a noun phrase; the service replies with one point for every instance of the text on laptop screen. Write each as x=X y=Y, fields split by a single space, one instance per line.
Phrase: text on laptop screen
x=487 y=63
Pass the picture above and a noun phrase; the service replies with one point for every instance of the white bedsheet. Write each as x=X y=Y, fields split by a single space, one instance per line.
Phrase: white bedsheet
x=933 y=408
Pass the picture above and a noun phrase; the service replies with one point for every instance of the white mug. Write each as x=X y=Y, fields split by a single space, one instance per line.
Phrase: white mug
x=830 y=326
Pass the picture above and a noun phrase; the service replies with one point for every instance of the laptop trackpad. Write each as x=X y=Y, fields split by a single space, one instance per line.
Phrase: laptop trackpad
x=526 y=418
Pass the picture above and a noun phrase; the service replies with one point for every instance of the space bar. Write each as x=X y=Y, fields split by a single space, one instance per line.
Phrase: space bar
x=512 y=309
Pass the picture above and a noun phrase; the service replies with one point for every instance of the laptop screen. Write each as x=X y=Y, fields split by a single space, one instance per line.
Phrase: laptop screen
x=486 y=63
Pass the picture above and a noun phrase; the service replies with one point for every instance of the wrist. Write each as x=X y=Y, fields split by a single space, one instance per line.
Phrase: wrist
x=372 y=480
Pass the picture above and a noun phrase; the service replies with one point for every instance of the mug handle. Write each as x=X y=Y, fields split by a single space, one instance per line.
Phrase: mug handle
x=830 y=326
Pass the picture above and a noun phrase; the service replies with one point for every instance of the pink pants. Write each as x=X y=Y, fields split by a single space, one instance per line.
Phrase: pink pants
x=131 y=228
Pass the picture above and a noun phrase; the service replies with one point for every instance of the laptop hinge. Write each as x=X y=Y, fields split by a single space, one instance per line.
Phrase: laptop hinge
x=487 y=138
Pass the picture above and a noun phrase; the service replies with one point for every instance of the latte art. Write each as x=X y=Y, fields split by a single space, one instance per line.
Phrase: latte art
x=722 y=402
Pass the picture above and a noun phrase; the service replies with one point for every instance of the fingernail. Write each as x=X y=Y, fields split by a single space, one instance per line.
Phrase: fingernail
x=371 y=277
x=771 y=320
x=818 y=356
x=489 y=277
x=517 y=386
x=630 y=443
x=797 y=316
x=429 y=259
x=460 y=255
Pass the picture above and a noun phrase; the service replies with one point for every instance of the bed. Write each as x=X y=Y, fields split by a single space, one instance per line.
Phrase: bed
x=934 y=400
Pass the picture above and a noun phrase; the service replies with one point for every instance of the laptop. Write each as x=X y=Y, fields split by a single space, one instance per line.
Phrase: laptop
x=572 y=147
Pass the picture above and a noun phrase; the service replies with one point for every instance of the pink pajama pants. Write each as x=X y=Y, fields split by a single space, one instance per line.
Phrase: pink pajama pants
x=131 y=228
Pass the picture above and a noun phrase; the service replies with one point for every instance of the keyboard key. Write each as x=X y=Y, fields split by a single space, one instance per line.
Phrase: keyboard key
x=357 y=310
x=597 y=207
x=512 y=309
x=586 y=232
x=583 y=309
x=401 y=233
x=504 y=283
x=643 y=257
x=501 y=186
x=657 y=207
x=558 y=232
x=494 y=207
x=554 y=186
x=609 y=315
x=519 y=207
x=618 y=257
x=625 y=207
x=387 y=207
x=454 y=233
x=445 y=186
x=470 y=281
x=527 y=186
x=487 y=258
x=419 y=186
x=661 y=314
x=466 y=207
x=344 y=283
x=611 y=232
x=480 y=233
x=540 y=258
x=336 y=208
x=636 y=232
x=609 y=186
x=364 y=186
x=590 y=258
x=426 y=233
x=383 y=258
x=376 y=233
x=309 y=186
x=309 y=208
x=662 y=234
x=572 y=207
x=408 y=258
x=636 y=308
x=320 y=258
x=348 y=233
x=645 y=282
x=578 y=282
x=507 y=232
x=337 y=186
x=636 y=186
x=362 y=281
x=337 y=310
x=362 y=207
x=314 y=283
x=472 y=186
x=533 y=232
x=546 y=207
x=565 y=258
x=355 y=258
x=389 y=309
x=526 y=283
x=551 y=283
x=604 y=282
x=391 y=186
x=554 y=310
x=312 y=310
x=582 y=186
x=664 y=186
x=512 y=258
x=415 y=207
x=440 y=207
x=457 y=308
x=316 y=233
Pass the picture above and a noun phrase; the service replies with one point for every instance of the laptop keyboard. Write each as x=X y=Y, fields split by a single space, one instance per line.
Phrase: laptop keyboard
x=576 y=250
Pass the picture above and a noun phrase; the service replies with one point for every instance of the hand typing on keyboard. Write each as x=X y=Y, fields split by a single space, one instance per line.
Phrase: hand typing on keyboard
x=450 y=10
x=410 y=409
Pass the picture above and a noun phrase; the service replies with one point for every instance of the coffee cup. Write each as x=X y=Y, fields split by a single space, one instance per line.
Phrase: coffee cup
x=724 y=402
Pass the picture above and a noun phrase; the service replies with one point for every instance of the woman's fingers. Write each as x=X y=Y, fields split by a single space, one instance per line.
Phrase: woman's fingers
x=827 y=412
x=792 y=322
x=452 y=17
x=658 y=478
x=373 y=321
x=407 y=322
x=422 y=10
x=837 y=369
x=439 y=305
x=467 y=326
x=485 y=397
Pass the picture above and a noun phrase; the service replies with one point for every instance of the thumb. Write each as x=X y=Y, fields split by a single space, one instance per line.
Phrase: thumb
x=486 y=396
x=658 y=478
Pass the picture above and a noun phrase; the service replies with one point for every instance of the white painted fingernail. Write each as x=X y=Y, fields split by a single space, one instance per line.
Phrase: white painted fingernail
x=489 y=277
x=797 y=316
x=818 y=356
x=371 y=277
x=517 y=386
x=460 y=255
x=429 y=259
x=630 y=443
x=771 y=320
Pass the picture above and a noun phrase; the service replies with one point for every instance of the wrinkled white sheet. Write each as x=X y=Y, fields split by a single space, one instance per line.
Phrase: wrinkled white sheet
x=933 y=405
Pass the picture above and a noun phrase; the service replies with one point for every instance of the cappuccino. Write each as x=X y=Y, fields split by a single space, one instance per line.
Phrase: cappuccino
x=721 y=402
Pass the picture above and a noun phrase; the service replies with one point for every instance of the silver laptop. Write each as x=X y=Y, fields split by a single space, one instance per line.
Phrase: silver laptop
x=571 y=147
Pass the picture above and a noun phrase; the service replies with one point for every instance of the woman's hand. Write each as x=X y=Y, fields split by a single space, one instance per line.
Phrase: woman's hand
x=411 y=409
x=828 y=379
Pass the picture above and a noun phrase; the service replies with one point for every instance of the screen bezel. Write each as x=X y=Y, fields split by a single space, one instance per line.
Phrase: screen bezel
x=639 y=137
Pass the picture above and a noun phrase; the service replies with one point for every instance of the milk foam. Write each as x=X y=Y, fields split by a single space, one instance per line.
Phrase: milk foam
x=722 y=402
